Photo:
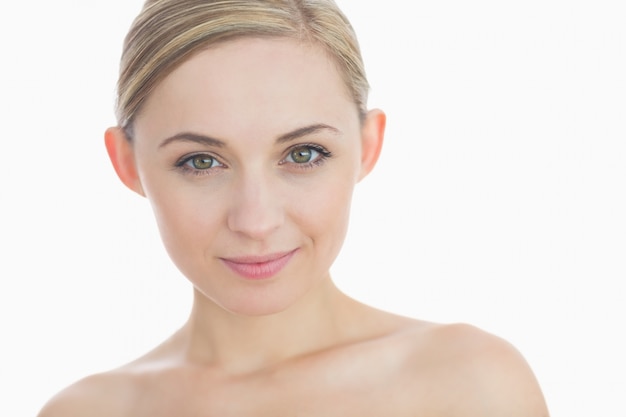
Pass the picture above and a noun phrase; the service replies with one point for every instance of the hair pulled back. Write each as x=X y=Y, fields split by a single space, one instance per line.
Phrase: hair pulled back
x=167 y=32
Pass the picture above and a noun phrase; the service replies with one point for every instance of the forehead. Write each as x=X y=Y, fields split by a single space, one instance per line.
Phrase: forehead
x=249 y=84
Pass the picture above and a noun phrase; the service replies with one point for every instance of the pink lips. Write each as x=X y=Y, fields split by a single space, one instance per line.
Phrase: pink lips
x=259 y=267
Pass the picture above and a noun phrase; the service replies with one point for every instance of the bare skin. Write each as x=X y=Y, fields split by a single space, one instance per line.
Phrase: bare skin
x=285 y=342
x=374 y=364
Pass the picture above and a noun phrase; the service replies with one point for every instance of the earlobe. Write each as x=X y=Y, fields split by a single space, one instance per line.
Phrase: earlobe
x=121 y=154
x=372 y=136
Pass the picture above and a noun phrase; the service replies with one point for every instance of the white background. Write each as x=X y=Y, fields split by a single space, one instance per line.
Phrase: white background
x=499 y=199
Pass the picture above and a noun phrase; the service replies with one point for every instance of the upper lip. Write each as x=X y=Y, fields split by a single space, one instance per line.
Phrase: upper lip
x=258 y=259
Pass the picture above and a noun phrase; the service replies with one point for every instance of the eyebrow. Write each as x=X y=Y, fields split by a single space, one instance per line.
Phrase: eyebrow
x=286 y=137
x=194 y=138
x=305 y=131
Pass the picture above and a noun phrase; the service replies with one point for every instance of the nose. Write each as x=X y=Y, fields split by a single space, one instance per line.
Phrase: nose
x=256 y=208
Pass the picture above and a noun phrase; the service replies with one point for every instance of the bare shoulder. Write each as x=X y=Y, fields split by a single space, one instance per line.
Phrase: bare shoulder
x=105 y=394
x=115 y=393
x=477 y=373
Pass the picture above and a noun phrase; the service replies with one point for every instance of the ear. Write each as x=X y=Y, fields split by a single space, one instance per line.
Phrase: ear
x=122 y=157
x=372 y=135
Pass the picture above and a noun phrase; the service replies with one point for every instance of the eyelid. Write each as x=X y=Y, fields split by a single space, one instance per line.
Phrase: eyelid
x=313 y=146
x=181 y=164
x=324 y=154
x=185 y=158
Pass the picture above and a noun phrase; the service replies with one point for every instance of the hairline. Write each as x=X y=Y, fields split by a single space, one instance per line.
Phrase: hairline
x=302 y=37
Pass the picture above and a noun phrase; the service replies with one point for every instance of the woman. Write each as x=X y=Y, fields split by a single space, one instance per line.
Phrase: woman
x=244 y=124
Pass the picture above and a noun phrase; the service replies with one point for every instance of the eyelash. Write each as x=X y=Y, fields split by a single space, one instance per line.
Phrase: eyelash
x=181 y=164
x=323 y=155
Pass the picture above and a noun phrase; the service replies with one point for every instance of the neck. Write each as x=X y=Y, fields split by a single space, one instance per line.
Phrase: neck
x=216 y=337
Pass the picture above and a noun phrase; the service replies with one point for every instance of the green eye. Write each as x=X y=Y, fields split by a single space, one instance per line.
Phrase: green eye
x=306 y=155
x=201 y=162
x=301 y=155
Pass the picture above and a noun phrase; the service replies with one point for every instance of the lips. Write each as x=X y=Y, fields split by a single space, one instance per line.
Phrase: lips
x=259 y=267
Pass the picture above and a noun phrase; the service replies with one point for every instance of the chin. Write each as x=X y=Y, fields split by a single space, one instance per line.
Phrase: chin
x=258 y=302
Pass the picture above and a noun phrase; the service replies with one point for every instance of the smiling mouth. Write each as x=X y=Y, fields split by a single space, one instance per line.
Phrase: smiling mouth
x=259 y=267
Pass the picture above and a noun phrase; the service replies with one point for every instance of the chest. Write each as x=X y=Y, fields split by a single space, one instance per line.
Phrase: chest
x=322 y=391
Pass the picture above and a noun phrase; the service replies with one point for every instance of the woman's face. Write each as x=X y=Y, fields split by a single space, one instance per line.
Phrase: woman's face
x=248 y=153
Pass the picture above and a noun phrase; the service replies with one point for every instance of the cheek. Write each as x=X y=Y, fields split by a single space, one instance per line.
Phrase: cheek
x=324 y=214
x=187 y=220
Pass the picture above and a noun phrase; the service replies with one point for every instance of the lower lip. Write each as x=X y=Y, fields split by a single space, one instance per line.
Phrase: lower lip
x=259 y=270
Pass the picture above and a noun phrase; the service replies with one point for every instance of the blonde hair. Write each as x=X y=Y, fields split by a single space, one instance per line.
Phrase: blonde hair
x=167 y=32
